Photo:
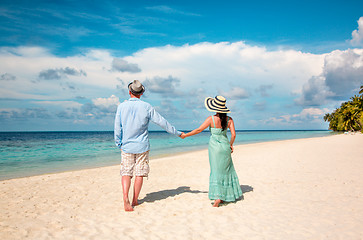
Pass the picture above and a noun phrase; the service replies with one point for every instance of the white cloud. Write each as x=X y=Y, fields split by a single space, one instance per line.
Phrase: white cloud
x=236 y=93
x=24 y=51
x=314 y=92
x=62 y=104
x=24 y=113
x=310 y=114
x=100 y=109
x=216 y=66
x=189 y=73
x=7 y=77
x=343 y=71
x=106 y=102
x=195 y=100
x=204 y=65
x=357 y=35
x=168 y=110
x=6 y=93
x=119 y=64
x=260 y=106
x=263 y=90
x=341 y=77
x=34 y=63
x=169 y=10
x=55 y=74
x=306 y=116
x=166 y=86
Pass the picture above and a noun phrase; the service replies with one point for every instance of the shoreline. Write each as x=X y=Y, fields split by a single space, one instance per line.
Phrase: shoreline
x=162 y=155
x=307 y=188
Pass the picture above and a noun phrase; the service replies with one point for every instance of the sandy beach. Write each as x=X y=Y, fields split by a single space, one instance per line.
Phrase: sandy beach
x=293 y=189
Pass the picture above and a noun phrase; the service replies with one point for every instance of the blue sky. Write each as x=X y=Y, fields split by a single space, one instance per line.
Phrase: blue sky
x=65 y=65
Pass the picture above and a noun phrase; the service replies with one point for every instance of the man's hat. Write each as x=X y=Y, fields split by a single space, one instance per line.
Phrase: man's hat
x=136 y=88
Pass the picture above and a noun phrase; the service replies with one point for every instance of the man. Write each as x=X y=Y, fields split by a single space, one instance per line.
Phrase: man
x=131 y=136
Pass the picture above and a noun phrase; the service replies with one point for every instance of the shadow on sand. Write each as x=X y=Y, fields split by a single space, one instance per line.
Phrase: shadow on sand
x=164 y=194
x=246 y=188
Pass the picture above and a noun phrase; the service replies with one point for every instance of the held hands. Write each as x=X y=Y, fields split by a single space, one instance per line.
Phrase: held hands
x=183 y=135
x=232 y=148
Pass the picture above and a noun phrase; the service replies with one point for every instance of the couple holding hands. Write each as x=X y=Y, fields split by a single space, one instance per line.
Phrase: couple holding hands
x=131 y=136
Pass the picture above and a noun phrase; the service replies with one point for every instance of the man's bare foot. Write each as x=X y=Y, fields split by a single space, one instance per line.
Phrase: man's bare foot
x=127 y=206
x=217 y=202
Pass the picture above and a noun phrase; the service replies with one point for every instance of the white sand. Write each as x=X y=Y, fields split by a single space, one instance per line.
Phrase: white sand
x=295 y=189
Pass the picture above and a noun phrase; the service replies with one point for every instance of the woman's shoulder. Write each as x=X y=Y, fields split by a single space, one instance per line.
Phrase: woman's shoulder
x=209 y=118
x=229 y=120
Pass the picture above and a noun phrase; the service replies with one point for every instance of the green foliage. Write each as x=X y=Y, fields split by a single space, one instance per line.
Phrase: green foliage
x=349 y=116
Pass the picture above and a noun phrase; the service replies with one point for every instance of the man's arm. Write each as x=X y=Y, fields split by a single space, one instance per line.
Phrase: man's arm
x=117 y=131
x=156 y=118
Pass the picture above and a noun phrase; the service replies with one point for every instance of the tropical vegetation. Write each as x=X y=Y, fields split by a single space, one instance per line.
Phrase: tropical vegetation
x=349 y=116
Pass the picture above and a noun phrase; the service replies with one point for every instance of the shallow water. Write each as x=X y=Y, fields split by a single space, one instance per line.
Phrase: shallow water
x=32 y=153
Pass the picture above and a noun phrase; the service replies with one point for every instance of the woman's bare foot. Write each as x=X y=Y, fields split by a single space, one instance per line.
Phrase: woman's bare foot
x=135 y=203
x=127 y=206
x=217 y=202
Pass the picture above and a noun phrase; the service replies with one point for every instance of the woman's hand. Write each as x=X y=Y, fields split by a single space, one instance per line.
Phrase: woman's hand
x=232 y=148
x=183 y=135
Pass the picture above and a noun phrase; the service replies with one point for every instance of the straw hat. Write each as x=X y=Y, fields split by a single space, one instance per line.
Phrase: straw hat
x=136 y=88
x=217 y=104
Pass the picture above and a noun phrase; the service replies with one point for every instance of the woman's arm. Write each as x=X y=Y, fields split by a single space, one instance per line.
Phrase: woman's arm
x=233 y=132
x=204 y=125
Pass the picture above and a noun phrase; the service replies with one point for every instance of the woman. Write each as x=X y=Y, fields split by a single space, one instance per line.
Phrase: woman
x=223 y=180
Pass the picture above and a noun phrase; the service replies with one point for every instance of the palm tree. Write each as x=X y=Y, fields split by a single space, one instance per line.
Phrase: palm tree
x=349 y=116
x=361 y=90
x=327 y=117
x=357 y=107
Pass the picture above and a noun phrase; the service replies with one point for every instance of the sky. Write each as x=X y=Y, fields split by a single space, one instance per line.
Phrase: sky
x=281 y=65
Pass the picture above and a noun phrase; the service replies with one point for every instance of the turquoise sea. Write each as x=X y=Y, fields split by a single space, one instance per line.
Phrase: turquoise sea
x=33 y=153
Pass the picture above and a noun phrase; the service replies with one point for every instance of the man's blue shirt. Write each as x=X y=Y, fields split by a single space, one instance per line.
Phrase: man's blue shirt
x=131 y=125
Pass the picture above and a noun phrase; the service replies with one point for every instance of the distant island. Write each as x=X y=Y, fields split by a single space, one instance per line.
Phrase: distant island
x=349 y=116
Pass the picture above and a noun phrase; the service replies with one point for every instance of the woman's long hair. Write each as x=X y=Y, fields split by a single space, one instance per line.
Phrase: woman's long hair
x=223 y=117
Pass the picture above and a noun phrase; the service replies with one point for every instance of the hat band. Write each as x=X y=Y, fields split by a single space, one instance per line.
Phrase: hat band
x=220 y=100
x=218 y=106
x=134 y=91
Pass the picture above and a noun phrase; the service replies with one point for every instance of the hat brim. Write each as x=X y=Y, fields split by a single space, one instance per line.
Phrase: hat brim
x=134 y=92
x=212 y=107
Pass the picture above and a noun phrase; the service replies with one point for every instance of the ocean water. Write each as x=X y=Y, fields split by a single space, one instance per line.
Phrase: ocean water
x=25 y=154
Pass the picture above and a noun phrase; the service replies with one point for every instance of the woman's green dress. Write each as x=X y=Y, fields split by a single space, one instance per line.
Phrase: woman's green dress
x=223 y=180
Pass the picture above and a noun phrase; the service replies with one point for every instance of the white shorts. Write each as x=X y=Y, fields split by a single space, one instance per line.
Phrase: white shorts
x=138 y=162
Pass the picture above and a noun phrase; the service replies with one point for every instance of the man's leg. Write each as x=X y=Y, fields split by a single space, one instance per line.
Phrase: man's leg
x=137 y=188
x=126 y=171
x=126 y=182
x=141 y=170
